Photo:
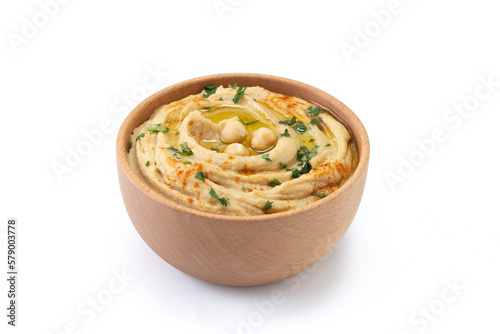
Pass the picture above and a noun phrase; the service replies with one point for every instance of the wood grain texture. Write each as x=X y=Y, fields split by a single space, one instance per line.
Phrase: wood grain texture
x=246 y=250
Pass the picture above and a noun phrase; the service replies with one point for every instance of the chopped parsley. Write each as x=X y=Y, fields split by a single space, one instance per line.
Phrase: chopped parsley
x=320 y=195
x=200 y=176
x=274 y=183
x=177 y=133
x=289 y=121
x=252 y=122
x=296 y=125
x=315 y=111
x=285 y=134
x=316 y=120
x=209 y=90
x=249 y=123
x=234 y=86
x=267 y=206
x=222 y=200
x=239 y=94
x=282 y=165
x=185 y=150
x=147 y=163
x=328 y=145
x=221 y=99
x=140 y=136
x=208 y=109
x=295 y=173
x=186 y=162
x=244 y=188
x=311 y=140
x=300 y=127
x=304 y=156
x=266 y=157
x=156 y=128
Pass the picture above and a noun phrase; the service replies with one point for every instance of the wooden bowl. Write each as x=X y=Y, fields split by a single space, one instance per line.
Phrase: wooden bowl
x=240 y=250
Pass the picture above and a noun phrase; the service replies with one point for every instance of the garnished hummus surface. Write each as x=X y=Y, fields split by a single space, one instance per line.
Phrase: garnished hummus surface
x=242 y=151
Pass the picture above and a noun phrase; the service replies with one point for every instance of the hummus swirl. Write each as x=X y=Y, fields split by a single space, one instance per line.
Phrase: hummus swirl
x=179 y=152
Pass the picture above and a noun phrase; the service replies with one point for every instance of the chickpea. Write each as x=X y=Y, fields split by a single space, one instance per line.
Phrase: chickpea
x=233 y=132
x=237 y=149
x=262 y=139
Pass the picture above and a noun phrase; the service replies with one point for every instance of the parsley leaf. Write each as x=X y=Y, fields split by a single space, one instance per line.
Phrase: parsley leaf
x=173 y=149
x=209 y=90
x=285 y=134
x=320 y=195
x=306 y=168
x=200 y=176
x=304 y=152
x=316 y=120
x=296 y=125
x=221 y=99
x=327 y=145
x=274 y=183
x=244 y=188
x=239 y=94
x=315 y=111
x=147 y=163
x=222 y=200
x=234 y=86
x=304 y=156
x=140 y=136
x=266 y=157
x=249 y=123
x=267 y=206
x=156 y=128
x=185 y=150
x=282 y=165
x=313 y=153
x=186 y=162
x=300 y=127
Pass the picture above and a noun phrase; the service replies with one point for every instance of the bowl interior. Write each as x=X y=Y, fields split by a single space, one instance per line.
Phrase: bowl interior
x=272 y=83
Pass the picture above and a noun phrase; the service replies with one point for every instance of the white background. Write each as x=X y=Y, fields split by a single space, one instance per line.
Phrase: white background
x=438 y=225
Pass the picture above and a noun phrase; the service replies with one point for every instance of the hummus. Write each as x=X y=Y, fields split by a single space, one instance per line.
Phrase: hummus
x=180 y=154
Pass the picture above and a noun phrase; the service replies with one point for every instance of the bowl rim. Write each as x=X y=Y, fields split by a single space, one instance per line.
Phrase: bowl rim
x=127 y=127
